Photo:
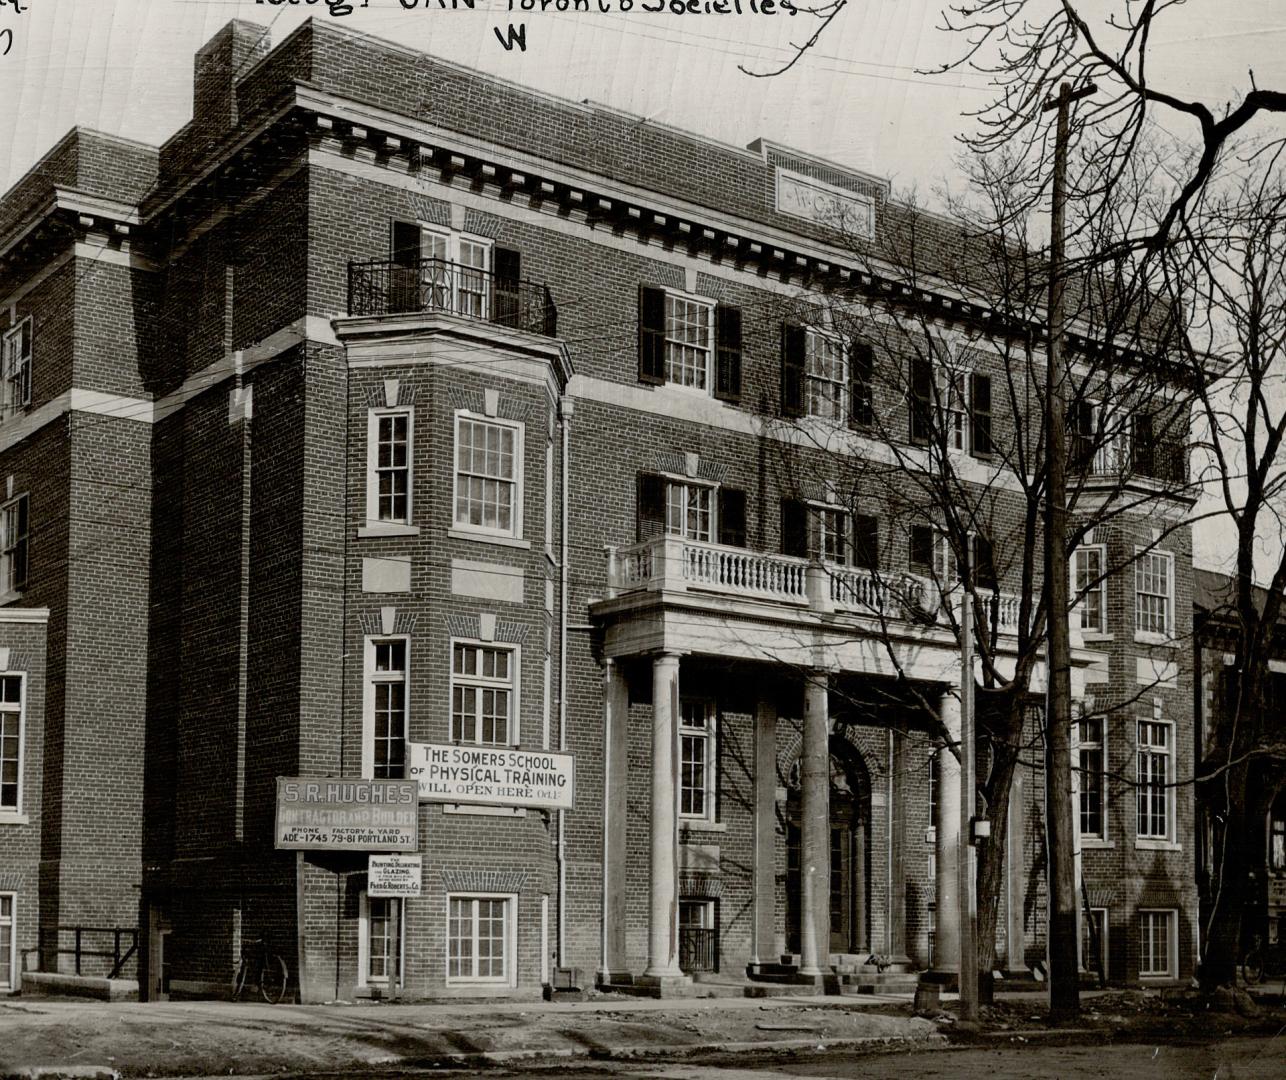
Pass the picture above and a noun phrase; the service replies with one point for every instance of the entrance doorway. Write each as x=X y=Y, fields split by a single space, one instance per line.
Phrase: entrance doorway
x=849 y=881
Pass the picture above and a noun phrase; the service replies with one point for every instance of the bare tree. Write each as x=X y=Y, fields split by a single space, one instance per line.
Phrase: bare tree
x=943 y=429
x=1229 y=268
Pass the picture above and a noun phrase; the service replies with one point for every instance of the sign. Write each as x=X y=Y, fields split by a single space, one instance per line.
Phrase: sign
x=346 y=815
x=803 y=197
x=1277 y=892
x=492 y=775
x=393 y=875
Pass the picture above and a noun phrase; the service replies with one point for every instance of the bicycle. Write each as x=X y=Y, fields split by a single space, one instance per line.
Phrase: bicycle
x=1263 y=959
x=271 y=969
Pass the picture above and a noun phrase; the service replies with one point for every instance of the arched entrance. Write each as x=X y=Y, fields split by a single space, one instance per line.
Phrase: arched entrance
x=850 y=819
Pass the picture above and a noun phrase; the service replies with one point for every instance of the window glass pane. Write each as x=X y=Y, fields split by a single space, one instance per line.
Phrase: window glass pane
x=687 y=341
x=486 y=470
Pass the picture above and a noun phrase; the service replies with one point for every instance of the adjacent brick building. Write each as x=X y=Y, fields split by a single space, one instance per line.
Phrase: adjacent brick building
x=388 y=404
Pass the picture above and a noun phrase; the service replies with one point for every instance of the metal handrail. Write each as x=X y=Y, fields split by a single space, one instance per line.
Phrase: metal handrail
x=388 y=287
x=78 y=949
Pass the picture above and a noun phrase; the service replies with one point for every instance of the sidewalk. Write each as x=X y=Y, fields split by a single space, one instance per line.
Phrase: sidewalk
x=205 y=1037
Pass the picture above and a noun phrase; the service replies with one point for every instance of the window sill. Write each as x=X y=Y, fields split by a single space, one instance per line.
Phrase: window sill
x=389 y=528
x=488 y=538
x=1096 y=843
x=1141 y=844
x=702 y=825
x=1149 y=637
x=12 y=817
x=1095 y=637
x=11 y=597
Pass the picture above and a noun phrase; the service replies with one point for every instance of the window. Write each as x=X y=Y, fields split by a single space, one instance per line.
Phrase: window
x=482 y=694
x=386 y=706
x=8 y=941
x=388 y=465
x=381 y=940
x=1092 y=778
x=689 y=341
x=688 y=511
x=931 y=553
x=15 y=394
x=480 y=939
x=826 y=375
x=698 y=935
x=1154 y=594
x=1090 y=588
x=693 y=511
x=1277 y=839
x=958 y=398
x=697 y=760
x=10 y=744
x=1154 y=753
x=1094 y=940
x=829 y=534
x=14 y=535
x=442 y=271
x=488 y=488
x=1157 y=944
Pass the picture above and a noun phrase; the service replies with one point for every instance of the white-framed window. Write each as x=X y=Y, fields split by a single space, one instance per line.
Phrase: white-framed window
x=481 y=939
x=831 y=534
x=484 y=678
x=488 y=475
x=1155 y=772
x=15 y=532
x=380 y=941
x=387 y=706
x=8 y=941
x=698 y=725
x=698 y=934
x=689 y=340
x=1090 y=587
x=1093 y=778
x=11 y=744
x=826 y=376
x=1094 y=925
x=1154 y=594
x=455 y=272
x=1158 y=943
x=931 y=553
x=389 y=441
x=15 y=392
x=690 y=510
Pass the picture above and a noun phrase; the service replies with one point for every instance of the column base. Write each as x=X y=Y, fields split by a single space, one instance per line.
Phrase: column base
x=663 y=986
x=948 y=980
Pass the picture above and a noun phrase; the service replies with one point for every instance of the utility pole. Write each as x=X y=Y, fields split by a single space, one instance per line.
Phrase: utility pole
x=966 y=888
x=1064 y=991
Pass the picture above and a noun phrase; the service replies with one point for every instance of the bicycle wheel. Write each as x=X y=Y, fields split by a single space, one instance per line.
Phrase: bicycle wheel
x=272 y=979
x=239 y=983
x=1252 y=966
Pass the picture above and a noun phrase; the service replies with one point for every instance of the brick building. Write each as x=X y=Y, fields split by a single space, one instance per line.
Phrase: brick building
x=387 y=404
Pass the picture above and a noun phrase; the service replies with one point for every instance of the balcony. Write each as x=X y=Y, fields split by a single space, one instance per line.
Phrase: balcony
x=385 y=287
x=673 y=564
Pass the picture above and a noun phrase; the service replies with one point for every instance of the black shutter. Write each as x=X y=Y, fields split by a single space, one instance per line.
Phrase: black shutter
x=980 y=444
x=794 y=528
x=922 y=547
x=793 y=344
x=727 y=339
x=1143 y=457
x=651 y=506
x=508 y=272
x=651 y=335
x=861 y=369
x=732 y=517
x=866 y=541
x=921 y=399
x=404 y=277
x=1080 y=455
x=984 y=562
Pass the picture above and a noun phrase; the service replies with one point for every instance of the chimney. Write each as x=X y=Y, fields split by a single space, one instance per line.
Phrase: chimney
x=220 y=62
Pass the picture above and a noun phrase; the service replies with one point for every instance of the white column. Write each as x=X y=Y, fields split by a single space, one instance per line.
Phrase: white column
x=663 y=924
x=946 y=936
x=815 y=838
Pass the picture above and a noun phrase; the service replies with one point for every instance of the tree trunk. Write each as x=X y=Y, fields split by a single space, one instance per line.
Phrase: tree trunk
x=1006 y=737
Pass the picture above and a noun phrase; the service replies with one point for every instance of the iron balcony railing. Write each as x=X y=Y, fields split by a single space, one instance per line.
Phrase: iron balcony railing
x=698 y=948
x=385 y=287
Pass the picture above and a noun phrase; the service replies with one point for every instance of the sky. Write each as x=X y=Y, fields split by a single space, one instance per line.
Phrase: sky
x=858 y=98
